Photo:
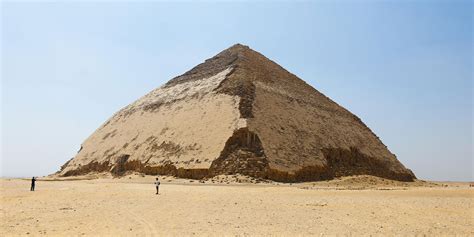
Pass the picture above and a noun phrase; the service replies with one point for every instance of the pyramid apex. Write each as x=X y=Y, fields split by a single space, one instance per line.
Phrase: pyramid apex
x=239 y=46
x=236 y=48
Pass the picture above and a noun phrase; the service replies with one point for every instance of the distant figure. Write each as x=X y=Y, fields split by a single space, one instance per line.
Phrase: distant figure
x=157 y=184
x=33 y=180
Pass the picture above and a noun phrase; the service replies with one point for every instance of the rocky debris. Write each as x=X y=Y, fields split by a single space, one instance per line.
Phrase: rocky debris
x=235 y=179
x=364 y=182
x=242 y=153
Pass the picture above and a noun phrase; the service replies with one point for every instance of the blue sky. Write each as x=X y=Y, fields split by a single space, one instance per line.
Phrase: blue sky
x=404 y=67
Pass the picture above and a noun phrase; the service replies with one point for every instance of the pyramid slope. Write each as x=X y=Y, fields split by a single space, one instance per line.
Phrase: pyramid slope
x=237 y=112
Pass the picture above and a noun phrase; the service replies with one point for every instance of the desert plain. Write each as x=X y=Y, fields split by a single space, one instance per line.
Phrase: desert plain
x=233 y=206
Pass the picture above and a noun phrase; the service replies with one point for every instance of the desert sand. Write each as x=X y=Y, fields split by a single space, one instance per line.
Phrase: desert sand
x=229 y=205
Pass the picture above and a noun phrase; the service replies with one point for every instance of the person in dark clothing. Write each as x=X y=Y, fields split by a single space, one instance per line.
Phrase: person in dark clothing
x=157 y=184
x=33 y=180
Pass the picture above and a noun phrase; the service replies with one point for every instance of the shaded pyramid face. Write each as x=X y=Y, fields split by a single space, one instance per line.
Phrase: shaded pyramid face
x=237 y=112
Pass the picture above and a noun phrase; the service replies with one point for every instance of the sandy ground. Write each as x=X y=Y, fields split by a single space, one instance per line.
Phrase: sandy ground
x=129 y=206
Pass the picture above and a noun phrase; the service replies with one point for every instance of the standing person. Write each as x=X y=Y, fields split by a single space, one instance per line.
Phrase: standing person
x=157 y=184
x=33 y=180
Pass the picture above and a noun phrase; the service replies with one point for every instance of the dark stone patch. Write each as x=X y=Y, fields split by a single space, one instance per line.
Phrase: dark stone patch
x=152 y=107
x=168 y=148
x=209 y=68
x=110 y=134
x=125 y=165
x=341 y=162
x=244 y=89
x=345 y=162
x=91 y=167
x=119 y=167
x=242 y=153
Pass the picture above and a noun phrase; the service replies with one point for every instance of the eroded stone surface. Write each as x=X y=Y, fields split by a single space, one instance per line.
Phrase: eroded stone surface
x=188 y=129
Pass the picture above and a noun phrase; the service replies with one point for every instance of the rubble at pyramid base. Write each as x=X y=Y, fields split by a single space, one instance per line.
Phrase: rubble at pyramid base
x=306 y=174
x=243 y=154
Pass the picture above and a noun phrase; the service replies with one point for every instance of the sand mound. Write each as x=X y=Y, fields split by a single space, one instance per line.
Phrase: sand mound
x=367 y=182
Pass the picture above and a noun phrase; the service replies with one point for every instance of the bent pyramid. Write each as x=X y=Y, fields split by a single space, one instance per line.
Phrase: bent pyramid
x=238 y=112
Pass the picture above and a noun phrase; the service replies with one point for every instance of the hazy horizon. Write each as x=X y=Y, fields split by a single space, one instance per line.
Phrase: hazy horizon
x=404 y=68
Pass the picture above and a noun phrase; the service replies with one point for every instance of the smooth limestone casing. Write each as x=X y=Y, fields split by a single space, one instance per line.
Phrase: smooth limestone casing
x=190 y=113
x=296 y=133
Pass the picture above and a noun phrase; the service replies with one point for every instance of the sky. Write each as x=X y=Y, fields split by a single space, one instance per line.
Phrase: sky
x=404 y=67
